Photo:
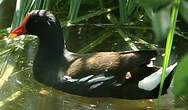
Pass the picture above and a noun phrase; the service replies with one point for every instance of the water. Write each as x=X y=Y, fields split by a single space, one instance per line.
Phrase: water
x=22 y=92
x=39 y=97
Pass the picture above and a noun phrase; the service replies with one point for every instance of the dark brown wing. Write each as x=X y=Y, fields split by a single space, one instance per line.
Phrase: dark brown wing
x=110 y=63
x=132 y=60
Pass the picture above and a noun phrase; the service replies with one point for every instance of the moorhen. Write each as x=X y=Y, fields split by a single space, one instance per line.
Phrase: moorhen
x=122 y=74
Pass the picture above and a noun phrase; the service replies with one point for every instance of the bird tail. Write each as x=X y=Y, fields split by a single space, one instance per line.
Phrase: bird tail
x=152 y=81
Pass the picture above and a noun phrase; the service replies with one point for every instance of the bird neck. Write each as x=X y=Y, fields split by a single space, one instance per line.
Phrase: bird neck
x=51 y=41
x=50 y=63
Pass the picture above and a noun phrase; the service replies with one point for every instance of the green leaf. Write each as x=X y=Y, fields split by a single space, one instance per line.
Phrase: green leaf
x=181 y=78
x=184 y=9
x=1 y=1
x=161 y=23
x=90 y=1
x=130 y=6
x=122 y=10
x=74 y=9
x=6 y=12
x=154 y=4
x=126 y=7
x=168 y=47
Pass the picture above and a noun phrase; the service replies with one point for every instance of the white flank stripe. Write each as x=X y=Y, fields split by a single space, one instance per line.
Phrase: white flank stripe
x=152 y=81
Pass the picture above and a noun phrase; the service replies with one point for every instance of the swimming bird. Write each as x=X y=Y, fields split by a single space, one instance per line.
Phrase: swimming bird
x=123 y=74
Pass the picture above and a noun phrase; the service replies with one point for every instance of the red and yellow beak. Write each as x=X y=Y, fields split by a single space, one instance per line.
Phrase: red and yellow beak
x=12 y=36
x=18 y=31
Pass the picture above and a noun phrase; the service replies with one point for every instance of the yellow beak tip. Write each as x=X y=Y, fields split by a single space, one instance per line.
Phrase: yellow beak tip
x=11 y=36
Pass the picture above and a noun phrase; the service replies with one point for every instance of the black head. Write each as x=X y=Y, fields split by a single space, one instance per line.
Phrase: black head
x=40 y=23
